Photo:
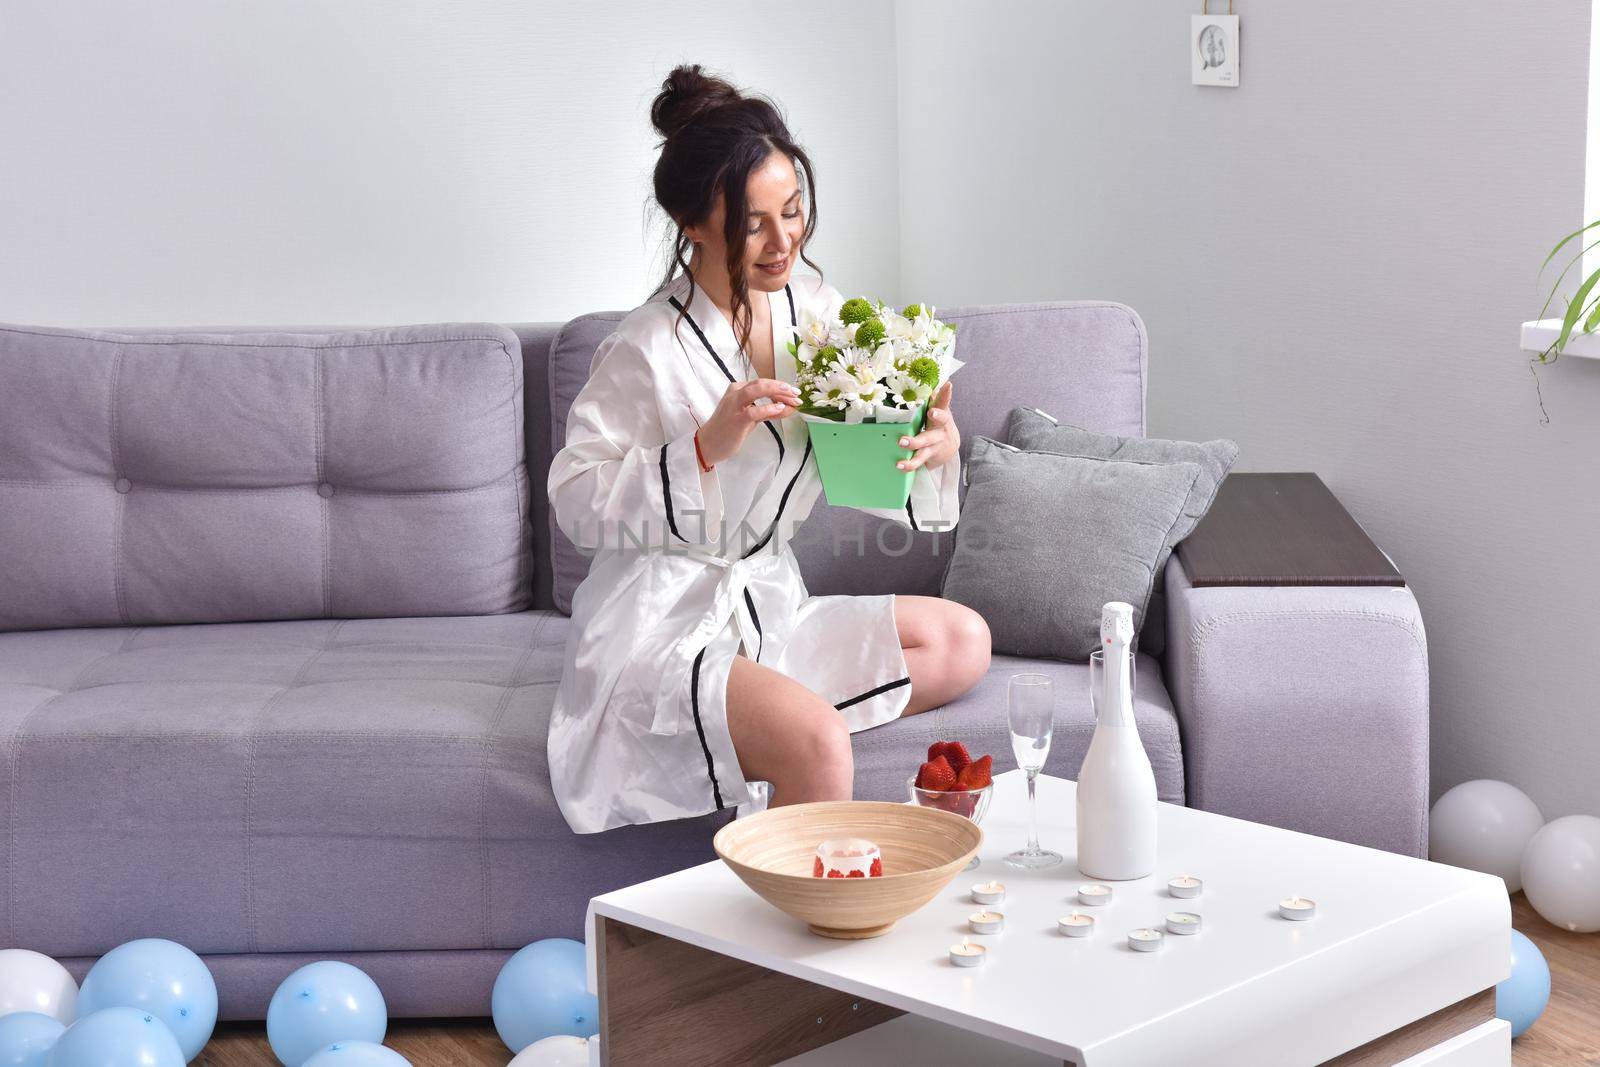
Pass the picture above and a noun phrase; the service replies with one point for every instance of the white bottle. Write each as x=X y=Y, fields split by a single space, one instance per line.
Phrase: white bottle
x=1116 y=787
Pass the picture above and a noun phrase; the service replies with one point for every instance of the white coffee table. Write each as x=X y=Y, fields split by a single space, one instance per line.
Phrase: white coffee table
x=1398 y=966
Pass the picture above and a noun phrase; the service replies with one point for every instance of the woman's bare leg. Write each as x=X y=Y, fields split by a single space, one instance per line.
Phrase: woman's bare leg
x=787 y=735
x=947 y=649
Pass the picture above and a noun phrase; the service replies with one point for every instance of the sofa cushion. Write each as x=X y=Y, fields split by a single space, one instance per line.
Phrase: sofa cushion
x=1036 y=430
x=571 y=353
x=207 y=477
x=357 y=785
x=1047 y=540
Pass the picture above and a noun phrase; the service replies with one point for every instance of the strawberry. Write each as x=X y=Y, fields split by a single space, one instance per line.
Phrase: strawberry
x=855 y=874
x=954 y=753
x=976 y=774
x=877 y=869
x=963 y=804
x=816 y=867
x=835 y=873
x=936 y=774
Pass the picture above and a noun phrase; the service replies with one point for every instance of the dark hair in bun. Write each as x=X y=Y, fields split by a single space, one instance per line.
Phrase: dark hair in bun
x=713 y=137
x=686 y=94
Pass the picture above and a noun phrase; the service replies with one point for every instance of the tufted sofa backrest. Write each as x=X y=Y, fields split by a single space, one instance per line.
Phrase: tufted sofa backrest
x=154 y=477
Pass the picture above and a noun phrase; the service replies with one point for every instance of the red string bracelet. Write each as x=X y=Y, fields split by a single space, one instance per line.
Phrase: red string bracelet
x=699 y=455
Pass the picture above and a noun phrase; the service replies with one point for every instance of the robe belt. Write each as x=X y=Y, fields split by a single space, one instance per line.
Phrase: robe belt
x=736 y=574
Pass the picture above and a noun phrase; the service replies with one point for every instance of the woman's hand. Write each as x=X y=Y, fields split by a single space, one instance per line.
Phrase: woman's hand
x=737 y=413
x=939 y=439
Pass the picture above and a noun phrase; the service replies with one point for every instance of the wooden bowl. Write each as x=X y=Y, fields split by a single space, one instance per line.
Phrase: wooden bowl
x=923 y=848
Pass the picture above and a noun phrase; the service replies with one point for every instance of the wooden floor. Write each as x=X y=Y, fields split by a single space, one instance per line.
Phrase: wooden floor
x=1567 y=1035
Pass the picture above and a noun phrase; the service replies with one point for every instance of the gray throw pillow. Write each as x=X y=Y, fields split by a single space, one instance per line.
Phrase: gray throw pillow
x=1036 y=430
x=1045 y=540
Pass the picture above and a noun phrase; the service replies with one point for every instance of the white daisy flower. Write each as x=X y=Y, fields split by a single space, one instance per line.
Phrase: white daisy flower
x=815 y=330
x=908 y=391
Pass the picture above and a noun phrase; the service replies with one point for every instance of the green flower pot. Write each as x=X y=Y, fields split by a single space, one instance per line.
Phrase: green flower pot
x=857 y=461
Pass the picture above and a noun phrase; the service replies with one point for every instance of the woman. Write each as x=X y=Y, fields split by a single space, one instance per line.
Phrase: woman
x=696 y=661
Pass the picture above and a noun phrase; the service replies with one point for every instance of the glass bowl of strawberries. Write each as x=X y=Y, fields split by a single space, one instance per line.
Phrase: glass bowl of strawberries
x=951 y=780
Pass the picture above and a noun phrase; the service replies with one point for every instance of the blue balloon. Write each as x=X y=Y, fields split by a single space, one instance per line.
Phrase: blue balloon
x=543 y=990
x=320 y=1004
x=357 y=1054
x=160 y=977
x=1520 y=999
x=26 y=1038
x=117 y=1037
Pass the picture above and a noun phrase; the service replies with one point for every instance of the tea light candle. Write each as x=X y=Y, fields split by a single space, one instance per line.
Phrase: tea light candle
x=1076 y=925
x=967 y=954
x=1297 y=908
x=1145 y=940
x=1183 y=922
x=1094 y=895
x=1185 y=885
x=988 y=893
x=986 y=921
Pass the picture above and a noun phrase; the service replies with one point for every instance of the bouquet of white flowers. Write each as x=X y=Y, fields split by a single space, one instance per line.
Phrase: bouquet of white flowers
x=871 y=363
x=863 y=376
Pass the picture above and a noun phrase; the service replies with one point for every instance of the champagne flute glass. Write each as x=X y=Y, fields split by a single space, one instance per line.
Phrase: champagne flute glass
x=1030 y=709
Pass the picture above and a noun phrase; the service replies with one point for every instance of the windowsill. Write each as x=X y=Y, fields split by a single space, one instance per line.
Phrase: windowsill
x=1540 y=335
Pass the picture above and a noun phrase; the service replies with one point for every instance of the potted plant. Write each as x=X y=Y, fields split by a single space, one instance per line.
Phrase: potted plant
x=1583 y=307
x=866 y=376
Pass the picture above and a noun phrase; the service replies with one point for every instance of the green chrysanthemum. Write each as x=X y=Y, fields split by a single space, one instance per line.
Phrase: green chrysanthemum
x=912 y=311
x=823 y=358
x=925 y=369
x=855 y=309
x=869 y=333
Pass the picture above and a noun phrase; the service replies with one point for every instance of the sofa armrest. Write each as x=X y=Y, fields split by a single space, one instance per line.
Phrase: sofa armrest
x=1304 y=707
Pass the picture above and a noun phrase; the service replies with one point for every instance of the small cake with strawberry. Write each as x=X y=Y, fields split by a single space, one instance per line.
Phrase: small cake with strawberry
x=952 y=779
x=850 y=857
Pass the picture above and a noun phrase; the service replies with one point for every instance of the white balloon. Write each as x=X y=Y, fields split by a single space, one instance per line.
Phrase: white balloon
x=561 y=1050
x=1561 y=872
x=1484 y=825
x=32 y=981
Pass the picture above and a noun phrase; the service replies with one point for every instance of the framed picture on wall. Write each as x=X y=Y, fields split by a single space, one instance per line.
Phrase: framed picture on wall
x=1214 y=50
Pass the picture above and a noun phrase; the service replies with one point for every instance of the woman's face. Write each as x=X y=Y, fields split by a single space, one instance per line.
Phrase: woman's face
x=773 y=227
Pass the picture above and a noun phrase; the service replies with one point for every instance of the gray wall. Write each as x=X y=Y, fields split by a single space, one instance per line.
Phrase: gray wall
x=1332 y=260
x=231 y=161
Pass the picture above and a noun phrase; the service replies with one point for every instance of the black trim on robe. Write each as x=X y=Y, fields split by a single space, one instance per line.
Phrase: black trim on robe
x=666 y=497
x=694 y=701
x=912 y=515
x=782 y=501
x=873 y=692
x=698 y=332
x=761 y=638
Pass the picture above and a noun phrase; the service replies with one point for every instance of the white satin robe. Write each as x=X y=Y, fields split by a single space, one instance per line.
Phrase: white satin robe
x=690 y=568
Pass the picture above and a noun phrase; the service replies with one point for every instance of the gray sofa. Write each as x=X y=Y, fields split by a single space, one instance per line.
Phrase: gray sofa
x=282 y=615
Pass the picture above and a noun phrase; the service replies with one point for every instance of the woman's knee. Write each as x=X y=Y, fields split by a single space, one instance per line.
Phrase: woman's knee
x=826 y=743
x=784 y=732
x=970 y=643
x=817 y=762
